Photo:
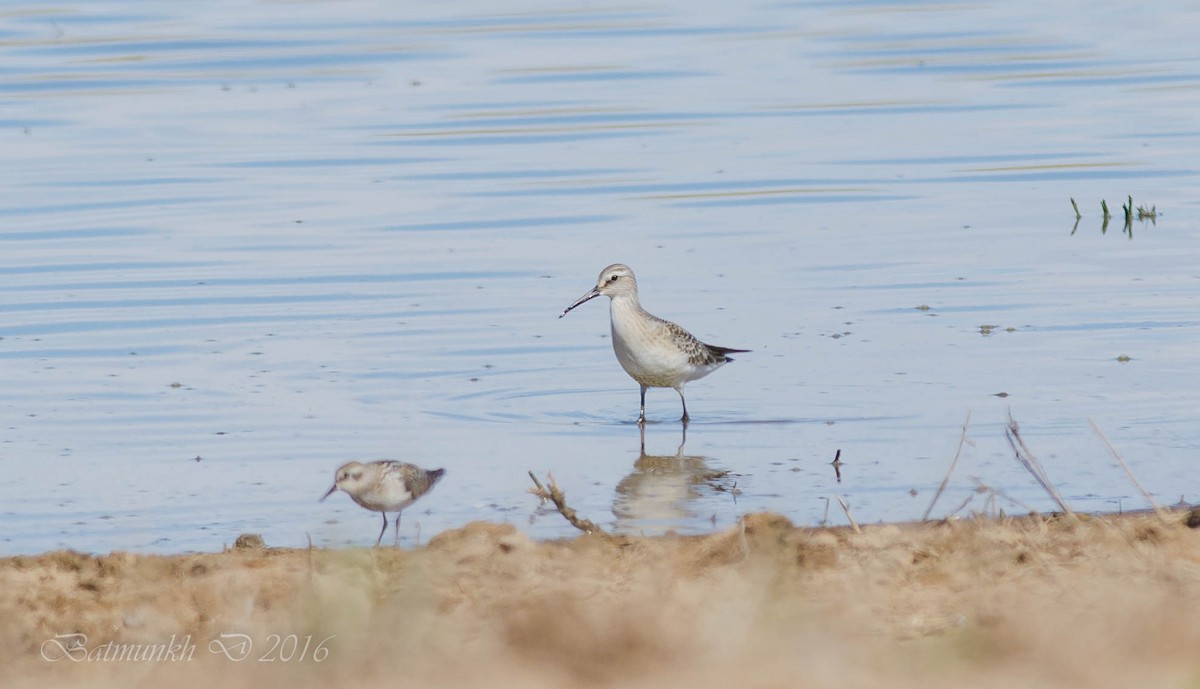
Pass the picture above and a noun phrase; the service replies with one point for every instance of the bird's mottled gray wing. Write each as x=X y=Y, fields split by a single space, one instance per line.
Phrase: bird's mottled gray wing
x=697 y=352
x=418 y=481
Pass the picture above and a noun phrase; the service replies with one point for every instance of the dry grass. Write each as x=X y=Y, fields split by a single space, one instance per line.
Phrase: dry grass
x=1029 y=602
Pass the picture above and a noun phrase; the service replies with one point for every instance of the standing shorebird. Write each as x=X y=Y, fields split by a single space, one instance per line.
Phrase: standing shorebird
x=384 y=486
x=654 y=352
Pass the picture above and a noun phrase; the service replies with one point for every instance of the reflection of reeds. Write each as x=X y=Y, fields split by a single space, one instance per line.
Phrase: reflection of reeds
x=1143 y=214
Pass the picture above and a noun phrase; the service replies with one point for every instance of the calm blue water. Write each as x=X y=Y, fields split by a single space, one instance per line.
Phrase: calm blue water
x=241 y=243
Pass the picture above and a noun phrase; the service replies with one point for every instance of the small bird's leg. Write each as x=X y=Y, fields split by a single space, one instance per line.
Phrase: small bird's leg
x=397 y=542
x=378 y=540
x=684 y=418
x=642 y=414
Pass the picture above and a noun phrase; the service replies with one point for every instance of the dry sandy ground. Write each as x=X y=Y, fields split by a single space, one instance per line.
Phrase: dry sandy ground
x=1026 y=602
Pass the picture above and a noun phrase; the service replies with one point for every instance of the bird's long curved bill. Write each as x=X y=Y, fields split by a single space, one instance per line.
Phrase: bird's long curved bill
x=592 y=294
x=328 y=493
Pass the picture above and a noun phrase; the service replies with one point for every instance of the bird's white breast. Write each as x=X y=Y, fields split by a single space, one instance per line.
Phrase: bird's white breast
x=386 y=494
x=646 y=348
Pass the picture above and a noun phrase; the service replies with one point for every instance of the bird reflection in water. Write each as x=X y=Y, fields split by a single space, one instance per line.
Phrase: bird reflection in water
x=662 y=491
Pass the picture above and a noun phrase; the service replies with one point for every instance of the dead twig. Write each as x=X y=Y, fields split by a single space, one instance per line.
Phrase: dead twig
x=846 y=509
x=1026 y=459
x=1133 y=479
x=962 y=439
x=551 y=492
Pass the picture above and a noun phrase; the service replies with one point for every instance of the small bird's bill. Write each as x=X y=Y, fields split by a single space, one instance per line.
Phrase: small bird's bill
x=592 y=294
x=328 y=493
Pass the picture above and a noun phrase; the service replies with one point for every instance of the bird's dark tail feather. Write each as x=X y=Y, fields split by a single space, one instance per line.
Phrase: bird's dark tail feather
x=726 y=351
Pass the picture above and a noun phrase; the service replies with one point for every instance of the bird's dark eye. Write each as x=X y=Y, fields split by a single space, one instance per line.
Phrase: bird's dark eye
x=613 y=278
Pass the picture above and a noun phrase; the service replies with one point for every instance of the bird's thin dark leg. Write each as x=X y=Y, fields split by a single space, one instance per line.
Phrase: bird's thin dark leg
x=397 y=542
x=378 y=540
x=642 y=413
x=684 y=418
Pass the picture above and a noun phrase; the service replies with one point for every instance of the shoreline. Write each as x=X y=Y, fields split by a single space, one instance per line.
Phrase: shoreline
x=1083 y=600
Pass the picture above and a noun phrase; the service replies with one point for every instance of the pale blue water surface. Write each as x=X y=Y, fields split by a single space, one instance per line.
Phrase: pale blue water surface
x=242 y=242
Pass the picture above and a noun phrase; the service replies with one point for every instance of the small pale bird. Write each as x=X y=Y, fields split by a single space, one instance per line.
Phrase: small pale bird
x=384 y=486
x=654 y=352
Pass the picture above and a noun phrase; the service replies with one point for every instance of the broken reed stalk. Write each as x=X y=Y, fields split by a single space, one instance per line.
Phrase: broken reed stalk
x=846 y=509
x=962 y=439
x=1031 y=464
x=981 y=486
x=962 y=505
x=743 y=544
x=310 y=559
x=1132 y=479
x=989 y=505
x=555 y=495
